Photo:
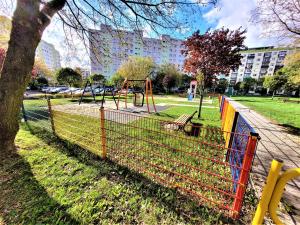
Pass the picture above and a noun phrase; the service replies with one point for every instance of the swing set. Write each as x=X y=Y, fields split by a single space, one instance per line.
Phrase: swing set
x=138 y=92
x=100 y=85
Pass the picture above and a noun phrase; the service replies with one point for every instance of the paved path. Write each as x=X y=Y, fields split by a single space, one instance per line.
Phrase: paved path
x=275 y=142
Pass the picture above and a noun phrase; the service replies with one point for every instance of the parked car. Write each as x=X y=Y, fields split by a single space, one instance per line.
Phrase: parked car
x=45 y=89
x=56 y=90
x=78 y=92
x=98 y=90
x=69 y=90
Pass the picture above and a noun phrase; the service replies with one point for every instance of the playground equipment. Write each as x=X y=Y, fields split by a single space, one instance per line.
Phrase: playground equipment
x=101 y=85
x=193 y=88
x=273 y=191
x=138 y=92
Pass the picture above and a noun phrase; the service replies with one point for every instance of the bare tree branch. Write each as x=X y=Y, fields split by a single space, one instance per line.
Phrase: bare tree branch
x=279 y=18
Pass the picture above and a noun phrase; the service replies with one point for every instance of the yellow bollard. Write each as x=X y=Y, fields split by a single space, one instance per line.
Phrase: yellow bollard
x=282 y=180
x=267 y=192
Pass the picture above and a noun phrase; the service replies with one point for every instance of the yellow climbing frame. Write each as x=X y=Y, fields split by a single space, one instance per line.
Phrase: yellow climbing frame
x=273 y=191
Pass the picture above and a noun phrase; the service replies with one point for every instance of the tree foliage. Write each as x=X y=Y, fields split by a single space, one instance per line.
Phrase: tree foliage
x=97 y=78
x=5 y=24
x=247 y=83
x=222 y=85
x=275 y=82
x=292 y=68
x=237 y=86
x=137 y=67
x=117 y=79
x=41 y=68
x=68 y=76
x=172 y=72
x=169 y=82
x=37 y=82
x=213 y=52
x=166 y=77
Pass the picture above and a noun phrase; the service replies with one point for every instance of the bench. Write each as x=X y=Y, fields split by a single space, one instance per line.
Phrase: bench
x=184 y=119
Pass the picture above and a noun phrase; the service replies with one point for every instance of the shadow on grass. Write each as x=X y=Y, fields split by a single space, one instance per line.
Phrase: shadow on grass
x=291 y=129
x=181 y=205
x=23 y=200
x=244 y=100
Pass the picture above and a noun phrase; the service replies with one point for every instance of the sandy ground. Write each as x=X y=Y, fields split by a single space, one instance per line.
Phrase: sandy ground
x=92 y=109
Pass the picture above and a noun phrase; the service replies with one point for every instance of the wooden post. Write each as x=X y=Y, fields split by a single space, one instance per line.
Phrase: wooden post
x=103 y=133
x=51 y=115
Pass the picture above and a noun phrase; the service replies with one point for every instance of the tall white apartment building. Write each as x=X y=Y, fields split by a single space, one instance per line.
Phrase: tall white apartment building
x=49 y=55
x=259 y=62
x=111 y=47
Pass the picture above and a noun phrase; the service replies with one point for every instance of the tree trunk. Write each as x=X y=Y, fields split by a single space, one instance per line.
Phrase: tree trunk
x=273 y=94
x=28 y=24
x=201 y=101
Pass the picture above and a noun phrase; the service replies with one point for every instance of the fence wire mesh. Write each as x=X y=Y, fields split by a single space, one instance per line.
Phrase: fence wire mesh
x=187 y=157
x=162 y=151
x=35 y=113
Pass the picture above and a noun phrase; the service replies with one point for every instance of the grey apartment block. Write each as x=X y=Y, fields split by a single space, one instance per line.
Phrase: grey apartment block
x=259 y=62
x=111 y=47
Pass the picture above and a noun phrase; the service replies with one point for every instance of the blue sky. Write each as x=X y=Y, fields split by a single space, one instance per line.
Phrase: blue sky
x=230 y=14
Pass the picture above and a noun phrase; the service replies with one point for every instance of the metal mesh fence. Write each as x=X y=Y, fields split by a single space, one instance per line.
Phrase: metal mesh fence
x=187 y=157
x=162 y=151
x=36 y=113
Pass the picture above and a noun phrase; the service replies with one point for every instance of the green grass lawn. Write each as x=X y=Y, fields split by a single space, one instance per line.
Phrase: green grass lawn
x=286 y=114
x=55 y=182
x=70 y=184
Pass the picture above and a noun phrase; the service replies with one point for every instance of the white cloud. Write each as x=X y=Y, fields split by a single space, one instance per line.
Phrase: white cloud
x=74 y=55
x=237 y=13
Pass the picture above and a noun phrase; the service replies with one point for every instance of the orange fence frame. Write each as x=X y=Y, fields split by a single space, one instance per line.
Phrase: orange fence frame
x=244 y=175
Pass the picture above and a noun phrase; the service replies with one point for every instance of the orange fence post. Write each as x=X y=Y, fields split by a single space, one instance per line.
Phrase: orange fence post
x=51 y=115
x=244 y=174
x=151 y=93
x=103 y=133
x=147 y=93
